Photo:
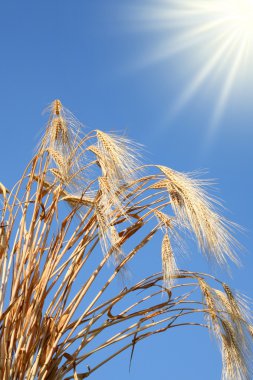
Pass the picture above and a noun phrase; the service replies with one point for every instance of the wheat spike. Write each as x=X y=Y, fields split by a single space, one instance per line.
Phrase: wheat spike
x=235 y=361
x=56 y=107
x=119 y=157
x=59 y=131
x=195 y=210
x=168 y=262
x=166 y=221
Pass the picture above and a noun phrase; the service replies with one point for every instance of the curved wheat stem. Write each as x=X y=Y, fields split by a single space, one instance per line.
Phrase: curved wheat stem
x=79 y=214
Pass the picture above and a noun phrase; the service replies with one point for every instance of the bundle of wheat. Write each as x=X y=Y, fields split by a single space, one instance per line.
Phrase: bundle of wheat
x=59 y=307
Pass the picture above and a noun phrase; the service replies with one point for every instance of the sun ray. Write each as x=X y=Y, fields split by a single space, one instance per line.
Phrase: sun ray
x=228 y=86
x=215 y=35
x=202 y=76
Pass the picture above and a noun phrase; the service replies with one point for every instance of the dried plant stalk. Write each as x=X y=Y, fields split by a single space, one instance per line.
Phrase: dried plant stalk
x=60 y=303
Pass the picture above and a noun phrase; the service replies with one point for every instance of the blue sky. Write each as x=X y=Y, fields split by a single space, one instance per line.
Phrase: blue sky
x=95 y=56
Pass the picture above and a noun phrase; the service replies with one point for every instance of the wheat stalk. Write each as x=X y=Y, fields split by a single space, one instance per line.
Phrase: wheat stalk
x=60 y=301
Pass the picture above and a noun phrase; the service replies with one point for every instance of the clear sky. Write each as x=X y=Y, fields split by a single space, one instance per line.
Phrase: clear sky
x=167 y=83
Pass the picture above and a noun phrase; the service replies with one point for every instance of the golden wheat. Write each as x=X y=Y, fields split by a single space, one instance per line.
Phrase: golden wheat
x=60 y=301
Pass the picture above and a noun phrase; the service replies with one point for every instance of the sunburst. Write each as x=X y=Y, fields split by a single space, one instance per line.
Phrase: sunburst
x=217 y=35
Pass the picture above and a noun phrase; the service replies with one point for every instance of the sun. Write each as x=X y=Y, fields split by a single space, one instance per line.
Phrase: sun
x=239 y=16
x=216 y=34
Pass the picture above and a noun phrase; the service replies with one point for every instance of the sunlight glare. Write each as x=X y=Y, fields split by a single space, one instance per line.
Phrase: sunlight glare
x=217 y=34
